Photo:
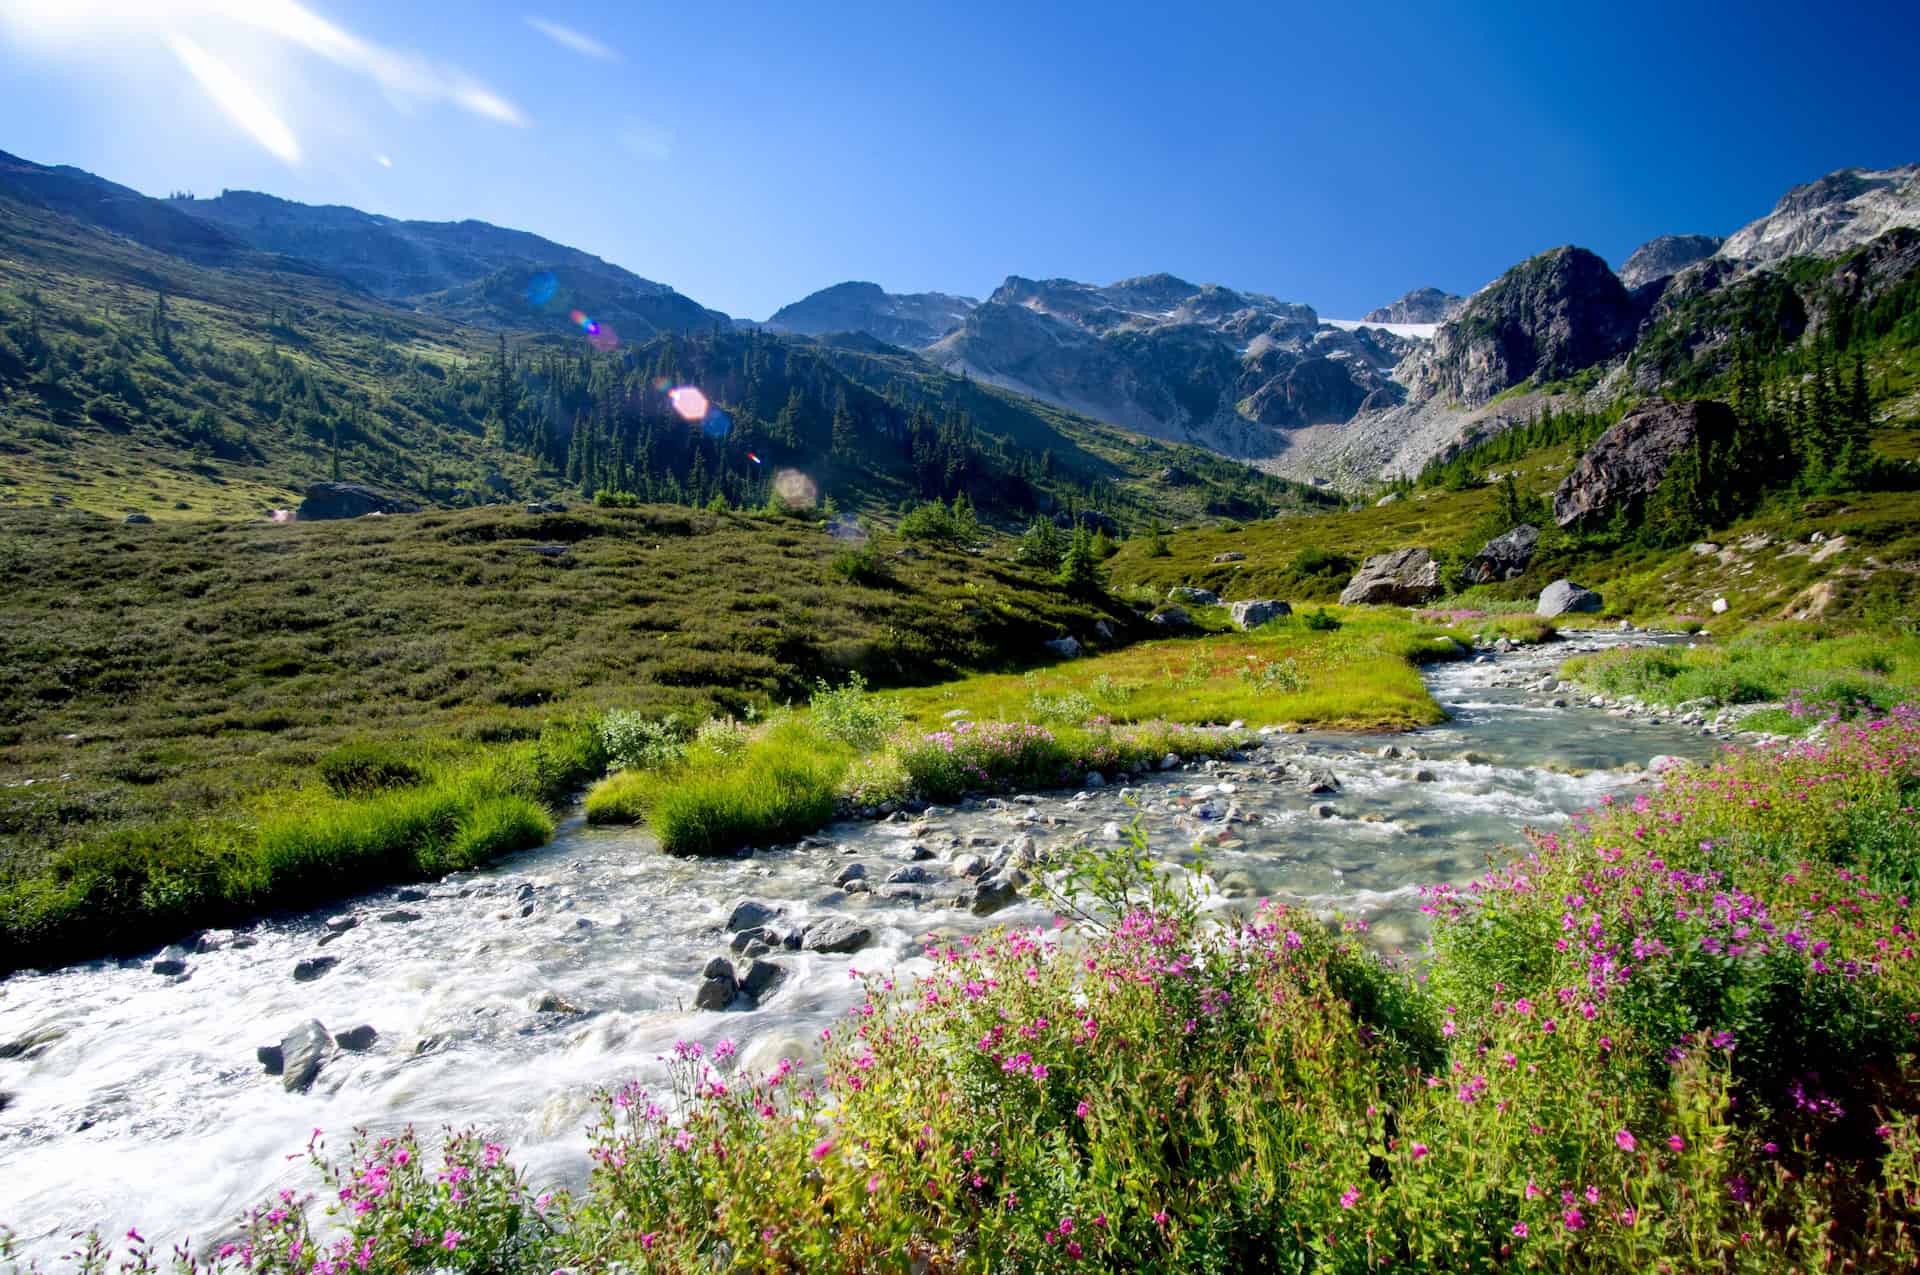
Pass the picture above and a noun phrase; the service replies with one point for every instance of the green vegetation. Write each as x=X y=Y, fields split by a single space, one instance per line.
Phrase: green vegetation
x=1160 y=1086
x=204 y=677
x=1815 y=670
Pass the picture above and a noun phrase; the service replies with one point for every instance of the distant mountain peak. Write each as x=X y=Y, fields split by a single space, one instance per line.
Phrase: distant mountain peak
x=1422 y=305
x=911 y=319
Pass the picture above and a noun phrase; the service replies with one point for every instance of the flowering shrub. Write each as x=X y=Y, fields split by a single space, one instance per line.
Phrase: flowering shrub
x=1679 y=1035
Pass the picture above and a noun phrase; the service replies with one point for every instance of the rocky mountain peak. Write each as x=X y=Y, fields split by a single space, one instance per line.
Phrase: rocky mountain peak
x=912 y=319
x=1824 y=218
x=1666 y=255
x=1546 y=318
x=1422 y=305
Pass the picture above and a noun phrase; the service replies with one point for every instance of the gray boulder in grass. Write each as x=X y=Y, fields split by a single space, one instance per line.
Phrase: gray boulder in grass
x=1564 y=597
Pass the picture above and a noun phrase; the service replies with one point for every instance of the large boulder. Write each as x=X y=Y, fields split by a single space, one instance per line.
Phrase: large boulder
x=352 y=500
x=1252 y=614
x=1564 y=596
x=1192 y=596
x=302 y=1051
x=1626 y=464
x=836 y=934
x=1505 y=556
x=1405 y=577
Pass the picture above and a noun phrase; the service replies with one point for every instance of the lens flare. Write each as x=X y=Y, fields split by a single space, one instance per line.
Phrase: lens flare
x=753 y=458
x=689 y=402
x=718 y=424
x=541 y=287
x=795 y=489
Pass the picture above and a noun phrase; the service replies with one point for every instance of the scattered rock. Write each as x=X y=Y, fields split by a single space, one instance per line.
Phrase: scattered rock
x=762 y=978
x=1094 y=779
x=400 y=916
x=1719 y=606
x=912 y=874
x=1174 y=619
x=748 y=914
x=718 y=986
x=1065 y=647
x=137 y=520
x=171 y=961
x=994 y=893
x=1323 y=810
x=302 y=1052
x=548 y=551
x=969 y=865
x=1103 y=631
x=1252 y=614
x=552 y=1003
x=852 y=872
x=1321 y=781
x=1424 y=776
x=1198 y=597
x=1219 y=558
x=356 y=1040
x=1504 y=557
x=341 y=924
x=1563 y=597
x=350 y=500
x=271 y=1058
x=1405 y=577
x=836 y=934
x=409 y=894
x=313 y=967
x=34 y=1042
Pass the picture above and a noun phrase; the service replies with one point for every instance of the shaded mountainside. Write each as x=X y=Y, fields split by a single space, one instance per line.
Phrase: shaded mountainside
x=1202 y=364
x=467 y=270
x=910 y=319
x=1665 y=256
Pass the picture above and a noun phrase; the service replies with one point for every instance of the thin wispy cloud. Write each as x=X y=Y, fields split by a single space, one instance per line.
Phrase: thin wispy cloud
x=80 y=28
x=569 y=38
x=237 y=98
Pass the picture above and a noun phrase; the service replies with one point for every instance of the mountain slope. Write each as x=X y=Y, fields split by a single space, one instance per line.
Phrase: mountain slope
x=1422 y=305
x=910 y=319
x=468 y=270
x=1824 y=218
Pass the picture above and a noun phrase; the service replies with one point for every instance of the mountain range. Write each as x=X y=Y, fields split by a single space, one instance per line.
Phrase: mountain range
x=1242 y=374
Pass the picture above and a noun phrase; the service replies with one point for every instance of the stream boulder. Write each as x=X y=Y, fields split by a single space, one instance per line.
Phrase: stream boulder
x=836 y=934
x=1405 y=577
x=1564 y=596
x=302 y=1053
x=718 y=986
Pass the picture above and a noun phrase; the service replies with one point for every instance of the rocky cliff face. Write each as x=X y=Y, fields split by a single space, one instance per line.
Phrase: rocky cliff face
x=1828 y=217
x=1195 y=363
x=911 y=319
x=468 y=270
x=1625 y=465
x=1546 y=318
x=1422 y=305
x=1666 y=256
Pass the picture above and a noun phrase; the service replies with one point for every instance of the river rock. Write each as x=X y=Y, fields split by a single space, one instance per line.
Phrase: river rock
x=1065 y=647
x=748 y=913
x=356 y=1040
x=994 y=893
x=340 y=924
x=1424 y=776
x=1405 y=577
x=852 y=872
x=552 y=1003
x=969 y=865
x=171 y=961
x=762 y=979
x=1321 y=781
x=718 y=985
x=1564 y=596
x=836 y=934
x=911 y=874
x=1627 y=463
x=1505 y=556
x=1322 y=810
x=313 y=967
x=1094 y=779
x=1193 y=596
x=400 y=916
x=34 y=1042
x=1251 y=614
x=302 y=1052
x=271 y=1059
x=409 y=894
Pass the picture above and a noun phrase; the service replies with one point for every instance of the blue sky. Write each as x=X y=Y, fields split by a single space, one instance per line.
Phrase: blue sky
x=749 y=153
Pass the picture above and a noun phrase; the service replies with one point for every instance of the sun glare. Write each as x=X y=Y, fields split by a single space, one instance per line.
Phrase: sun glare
x=236 y=97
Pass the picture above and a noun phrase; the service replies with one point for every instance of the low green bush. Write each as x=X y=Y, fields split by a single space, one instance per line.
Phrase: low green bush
x=633 y=741
x=852 y=715
x=354 y=770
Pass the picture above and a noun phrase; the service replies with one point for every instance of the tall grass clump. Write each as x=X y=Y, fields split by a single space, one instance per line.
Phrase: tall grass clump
x=359 y=768
x=1778 y=663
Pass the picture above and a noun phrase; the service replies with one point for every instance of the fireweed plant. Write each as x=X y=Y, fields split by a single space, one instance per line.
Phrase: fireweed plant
x=1678 y=1034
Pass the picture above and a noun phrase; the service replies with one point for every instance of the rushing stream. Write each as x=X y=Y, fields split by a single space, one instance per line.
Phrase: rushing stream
x=130 y=1097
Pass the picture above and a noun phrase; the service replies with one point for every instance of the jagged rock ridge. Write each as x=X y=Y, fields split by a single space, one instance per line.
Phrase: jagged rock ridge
x=1665 y=256
x=911 y=319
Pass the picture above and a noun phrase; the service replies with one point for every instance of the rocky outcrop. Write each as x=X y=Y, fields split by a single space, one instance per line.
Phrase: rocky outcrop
x=1830 y=216
x=1564 y=596
x=911 y=319
x=1625 y=465
x=1547 y=318
x=1252 y=614
x=1422 y=305
x=1405 y=577
x=351 y=500
x=1504 y=557
x=1665 y=256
